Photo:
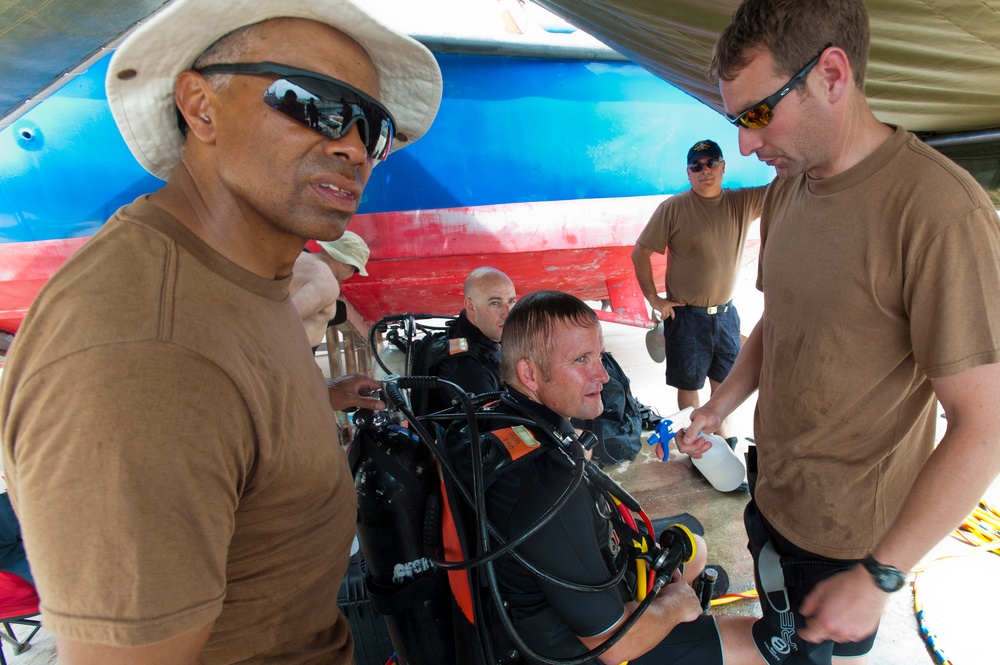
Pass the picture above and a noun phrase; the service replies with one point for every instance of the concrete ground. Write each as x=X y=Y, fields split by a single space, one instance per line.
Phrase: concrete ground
x=958 y=594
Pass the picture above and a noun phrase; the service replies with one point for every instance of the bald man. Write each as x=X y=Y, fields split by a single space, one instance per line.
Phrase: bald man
x=469 y=354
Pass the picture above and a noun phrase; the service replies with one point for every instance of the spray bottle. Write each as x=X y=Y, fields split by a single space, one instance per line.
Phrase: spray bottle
x=719 y=464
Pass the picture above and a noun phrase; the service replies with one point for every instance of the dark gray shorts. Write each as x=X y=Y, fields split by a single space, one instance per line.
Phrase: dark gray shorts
x=775 y=633
x=693 y=643
x=700 y=346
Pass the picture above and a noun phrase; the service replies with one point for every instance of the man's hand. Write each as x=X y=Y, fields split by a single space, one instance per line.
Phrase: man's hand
x=354 y=390
x=689 y=440
x=682 y=598
x=664 y=307
x=676 y=603
x=844 y=608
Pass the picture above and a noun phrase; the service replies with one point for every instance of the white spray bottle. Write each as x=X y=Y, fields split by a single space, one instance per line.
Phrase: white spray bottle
x=719 y=464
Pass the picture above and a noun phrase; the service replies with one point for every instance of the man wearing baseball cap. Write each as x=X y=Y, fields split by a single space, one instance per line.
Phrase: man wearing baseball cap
x=168 y=441
x=704 y=231
x=316 y=278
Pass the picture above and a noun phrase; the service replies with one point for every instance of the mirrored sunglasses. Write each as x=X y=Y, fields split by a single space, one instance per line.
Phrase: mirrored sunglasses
x=324 y=104
x=760 y=114
x=697 y=167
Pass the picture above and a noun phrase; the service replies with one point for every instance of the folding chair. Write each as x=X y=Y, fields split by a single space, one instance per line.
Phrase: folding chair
x=18 y=604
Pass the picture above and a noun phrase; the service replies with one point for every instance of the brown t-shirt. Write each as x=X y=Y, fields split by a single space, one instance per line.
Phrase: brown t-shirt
x=705 y=237
x=875 y=281
x=172 y=454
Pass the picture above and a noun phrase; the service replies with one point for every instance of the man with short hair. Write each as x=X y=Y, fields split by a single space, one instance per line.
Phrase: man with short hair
x=704 y=231
x=551 y=366
x=316 y=278
x=879 y=269
x=469 y=353
x=168 y=441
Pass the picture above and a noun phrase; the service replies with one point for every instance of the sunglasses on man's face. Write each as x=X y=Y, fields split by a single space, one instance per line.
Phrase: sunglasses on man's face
x=329 y=106
x=760 y=114
x=697 y=167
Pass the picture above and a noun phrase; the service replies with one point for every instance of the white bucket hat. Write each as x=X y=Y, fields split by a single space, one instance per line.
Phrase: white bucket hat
x=349 y=248
x=144 y=68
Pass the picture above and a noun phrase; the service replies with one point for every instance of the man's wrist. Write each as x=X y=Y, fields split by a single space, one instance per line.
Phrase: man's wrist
x=887 y=578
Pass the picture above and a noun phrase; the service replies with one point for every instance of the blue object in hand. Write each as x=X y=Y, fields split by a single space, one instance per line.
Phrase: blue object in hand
x=663 y=433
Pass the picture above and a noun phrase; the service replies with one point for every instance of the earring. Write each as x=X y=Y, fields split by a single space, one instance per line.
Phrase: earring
x=206 y=118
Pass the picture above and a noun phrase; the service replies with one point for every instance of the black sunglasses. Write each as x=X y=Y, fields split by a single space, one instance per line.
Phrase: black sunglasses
x=329 y=106
x=697 y=167
x=760 y=114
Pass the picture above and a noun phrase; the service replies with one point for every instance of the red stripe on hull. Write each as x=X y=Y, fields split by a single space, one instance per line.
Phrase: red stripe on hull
x=25 y=267
x=420 y=259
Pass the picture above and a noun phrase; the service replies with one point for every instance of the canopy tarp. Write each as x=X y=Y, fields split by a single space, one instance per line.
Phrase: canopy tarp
x=934 y=65
x=43 y=41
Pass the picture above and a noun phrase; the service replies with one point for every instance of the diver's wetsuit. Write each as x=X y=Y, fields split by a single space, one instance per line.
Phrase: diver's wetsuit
x=577 y=545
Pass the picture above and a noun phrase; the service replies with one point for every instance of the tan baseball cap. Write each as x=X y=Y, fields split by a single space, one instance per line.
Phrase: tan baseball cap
x=143 y=71
x=350 y=248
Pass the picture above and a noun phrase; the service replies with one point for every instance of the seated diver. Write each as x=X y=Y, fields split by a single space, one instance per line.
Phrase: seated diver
x=468 y=354
x=551 y=366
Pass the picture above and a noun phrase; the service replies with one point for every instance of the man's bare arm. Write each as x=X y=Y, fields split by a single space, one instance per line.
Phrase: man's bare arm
x=970 y=450
x=676 y=604
x=641 y=256
x=354 y=390
x=314 y=291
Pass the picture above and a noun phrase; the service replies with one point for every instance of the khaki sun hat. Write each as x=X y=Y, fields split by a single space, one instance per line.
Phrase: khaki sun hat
x=143 y=70
x=349 y=248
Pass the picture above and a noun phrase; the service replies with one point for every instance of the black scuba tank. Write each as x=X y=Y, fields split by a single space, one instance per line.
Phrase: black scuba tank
x=395 y=476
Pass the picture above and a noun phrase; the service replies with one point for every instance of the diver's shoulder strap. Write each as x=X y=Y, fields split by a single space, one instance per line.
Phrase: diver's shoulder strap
x=517 y=440
x=508 y=448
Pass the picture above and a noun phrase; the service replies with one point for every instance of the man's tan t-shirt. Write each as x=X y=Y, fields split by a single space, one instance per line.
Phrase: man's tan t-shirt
x=705 y=237
x=172 y=454
x=875 y=281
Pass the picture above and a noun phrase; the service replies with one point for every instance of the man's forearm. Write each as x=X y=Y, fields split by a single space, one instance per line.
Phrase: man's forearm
x=969 y=452
x=674 y=606
x=928 y=514
x=644 y=272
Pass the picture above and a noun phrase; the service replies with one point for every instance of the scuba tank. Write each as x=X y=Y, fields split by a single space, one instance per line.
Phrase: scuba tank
x=394 y=477
x=393 y=359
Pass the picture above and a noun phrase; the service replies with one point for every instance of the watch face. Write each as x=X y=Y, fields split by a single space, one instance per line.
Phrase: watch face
x=890 y=580
x=887 y=578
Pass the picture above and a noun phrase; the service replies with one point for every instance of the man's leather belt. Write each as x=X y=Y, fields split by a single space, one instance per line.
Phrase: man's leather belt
x=714 y=309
